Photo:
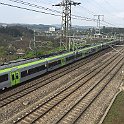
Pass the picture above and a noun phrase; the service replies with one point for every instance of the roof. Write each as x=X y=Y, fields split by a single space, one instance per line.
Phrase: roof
x=46 y=59
x=34 y=63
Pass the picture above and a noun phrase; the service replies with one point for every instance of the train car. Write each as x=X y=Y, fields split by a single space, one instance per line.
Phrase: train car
x=78 y=55
x=96 y=48
x=21 y=72
x=105 y=45
x=33 y=69
x=18 y=74
x=60 y=60
x=5 y=78
x=69 y=57
x=82 y=53
x=54 y=62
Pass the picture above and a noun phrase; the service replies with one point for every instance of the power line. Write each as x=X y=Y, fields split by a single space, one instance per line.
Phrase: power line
x=29 y=9
x=34 y=5
x=89 y=11
x=109 y=23
x=81 y=18
x=41 y=7
x=110 y=4
x=103 y=10
x=48 y=2
x=92 y=13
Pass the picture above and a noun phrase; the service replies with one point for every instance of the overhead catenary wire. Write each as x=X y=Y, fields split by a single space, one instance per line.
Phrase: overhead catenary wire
x=48 y=2
x=34 y=5
x=83 y=18
x=108 y=3
x=104 y=9
x=89 y=11
x=41 y=7
x=29 y=9
x=92 y=13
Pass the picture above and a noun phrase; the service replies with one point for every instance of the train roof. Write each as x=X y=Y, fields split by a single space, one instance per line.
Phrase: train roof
x=35 y=61
x=22 y=65
x=16 y=63
x=87 y=48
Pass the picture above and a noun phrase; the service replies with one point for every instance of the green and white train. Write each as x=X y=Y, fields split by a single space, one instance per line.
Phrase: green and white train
x=16 y=73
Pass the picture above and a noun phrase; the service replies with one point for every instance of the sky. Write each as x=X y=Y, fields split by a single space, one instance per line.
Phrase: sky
x=112 y=10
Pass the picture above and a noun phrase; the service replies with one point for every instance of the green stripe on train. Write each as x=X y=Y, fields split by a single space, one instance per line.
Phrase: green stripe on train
x=50 y=58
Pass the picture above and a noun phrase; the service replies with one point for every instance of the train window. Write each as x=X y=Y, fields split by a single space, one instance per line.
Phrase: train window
x=39 y=68
x=3 y=78
x=36 y=69
x=24 y=73
x=42 y=67
x=54 y=63
x=33 y=70
x=70 y=58
x=17 y=77
x=78 y=55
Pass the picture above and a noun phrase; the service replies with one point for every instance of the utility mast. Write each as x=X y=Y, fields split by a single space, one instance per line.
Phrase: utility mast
x=32 y=44
x=99 y=18
x=66 y=22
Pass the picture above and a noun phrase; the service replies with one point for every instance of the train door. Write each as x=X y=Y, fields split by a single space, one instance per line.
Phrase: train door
x=63 y=61
x=15 y=77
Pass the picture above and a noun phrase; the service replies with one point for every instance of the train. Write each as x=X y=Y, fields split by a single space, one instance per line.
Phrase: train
x=21 y=71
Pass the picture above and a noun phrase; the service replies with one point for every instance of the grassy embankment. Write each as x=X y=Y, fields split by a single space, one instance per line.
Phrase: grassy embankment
x=116 y=113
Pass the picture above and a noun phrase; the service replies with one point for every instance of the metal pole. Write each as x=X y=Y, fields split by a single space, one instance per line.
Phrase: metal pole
x=98 y=23
x=66 y=22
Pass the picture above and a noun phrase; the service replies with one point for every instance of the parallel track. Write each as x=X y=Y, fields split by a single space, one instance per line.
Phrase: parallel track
x=11 y=97
x=76 y=112
x=40 y=112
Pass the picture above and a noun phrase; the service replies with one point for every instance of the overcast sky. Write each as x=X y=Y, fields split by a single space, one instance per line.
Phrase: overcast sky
x=113 y=11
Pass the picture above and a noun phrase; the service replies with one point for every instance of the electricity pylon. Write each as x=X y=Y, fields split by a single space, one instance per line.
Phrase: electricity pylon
x=99 y=18
x=66 y=22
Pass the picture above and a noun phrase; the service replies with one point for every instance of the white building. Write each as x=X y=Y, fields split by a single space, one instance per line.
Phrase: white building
x=4 y=25
x=52 y=29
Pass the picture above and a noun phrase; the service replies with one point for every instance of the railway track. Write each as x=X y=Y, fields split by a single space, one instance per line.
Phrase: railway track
x=72 y=116
x=93 y=113
x=11 y=96
x=62 y=103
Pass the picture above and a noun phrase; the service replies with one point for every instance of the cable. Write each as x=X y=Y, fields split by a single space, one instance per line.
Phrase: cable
x=109 y=23
x=110 y=4
x=82 y=18
x=29 y=9
x=33 y=5
x=75 y=16
x=41 y=7
x=48 y=2
x=103 y=8
x=90 y=12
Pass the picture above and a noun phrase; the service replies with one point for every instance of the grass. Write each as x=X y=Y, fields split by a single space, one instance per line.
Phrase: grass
x=116 y=113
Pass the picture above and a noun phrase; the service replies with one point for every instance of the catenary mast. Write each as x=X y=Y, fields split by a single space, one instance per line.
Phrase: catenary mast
x=66 y=22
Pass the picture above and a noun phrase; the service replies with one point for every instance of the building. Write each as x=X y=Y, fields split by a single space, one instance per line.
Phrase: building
x=20 y=52
x=4 y=25
x=52 y=29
